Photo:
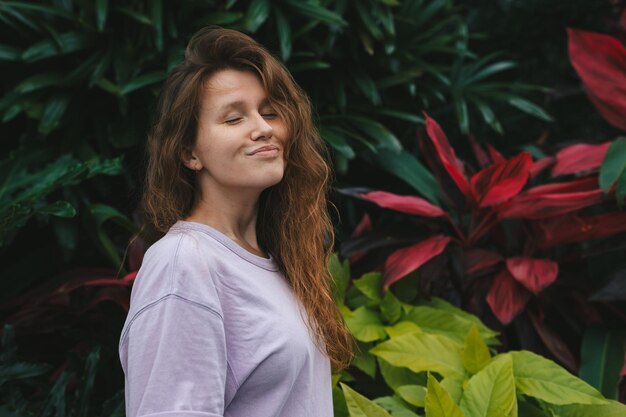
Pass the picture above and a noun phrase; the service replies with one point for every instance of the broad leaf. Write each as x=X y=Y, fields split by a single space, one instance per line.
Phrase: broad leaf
x=502 y=181
x=541 y=378
x=359 y=406
x=614 y=164
x=475 y=354
x=602 y=356
x=506 y=297
x=403 y=261
x=491 y=392
x=365 y=324
x=579 y=157
x=404 y=203
x=422 y=352
x=534 y=274
x=438 y=401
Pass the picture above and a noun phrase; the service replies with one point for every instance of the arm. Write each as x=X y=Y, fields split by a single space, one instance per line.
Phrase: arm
x=175 y=350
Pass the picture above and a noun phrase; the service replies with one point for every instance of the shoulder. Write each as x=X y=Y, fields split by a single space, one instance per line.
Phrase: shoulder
x=181 y=264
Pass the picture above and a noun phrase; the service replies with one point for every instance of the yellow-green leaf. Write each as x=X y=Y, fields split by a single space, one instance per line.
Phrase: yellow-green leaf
x=422 y=352
x=438 y=401
x=612 y=409
x=491 y=392
x=359 y=406
x=370 y=285
x=541 y=378
x=412 y=394
x=402 y=327
x=365 y=325
x=475 y=354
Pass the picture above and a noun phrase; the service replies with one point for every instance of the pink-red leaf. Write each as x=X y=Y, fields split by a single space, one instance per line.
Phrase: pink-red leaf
x=496 y=157
x=404 y=203
x=553 y=199
x=572 y=228
x=406 y=260
x=364 y=226
x=540 y=165
x=534 y=274
x=506 y=297
x=600 y=61
x=447 y=155
x=475 y=260
x=580 y=157
x=502 y=181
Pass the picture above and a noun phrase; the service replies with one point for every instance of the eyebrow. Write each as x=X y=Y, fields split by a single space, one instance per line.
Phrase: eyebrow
x=238 y=104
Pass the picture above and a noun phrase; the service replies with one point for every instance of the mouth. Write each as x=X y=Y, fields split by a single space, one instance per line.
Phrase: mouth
x=269 y=150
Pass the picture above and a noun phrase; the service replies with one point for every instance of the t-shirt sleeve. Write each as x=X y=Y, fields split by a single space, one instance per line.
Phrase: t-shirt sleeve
x=176 y=360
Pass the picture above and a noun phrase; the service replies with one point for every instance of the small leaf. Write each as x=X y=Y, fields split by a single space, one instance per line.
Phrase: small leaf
x=530 y=108
x=370 y=284
x=102 y=9
x=390 y=308
x=52 y=113
x=59 y=209
x=365 y=325
x=359 y=406
x=143 y=80
x=438 y=402
x=412 y=394
x=614 y=164
x=475 y=354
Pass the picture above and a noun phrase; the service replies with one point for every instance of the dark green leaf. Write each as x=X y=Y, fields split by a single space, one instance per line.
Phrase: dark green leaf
x=256 y=15
x=337 y=141
x=38 y=81
x=102 y=9
x=52 y=113
x=602 y=356
x=614 y=163
x=284 y=34
x=59 y=209
x=315 y=12
x=9 y=53
x=135 y=15
x=530 y=108
x=309 y=65
x=223 y=18
x=156 y=15
x=143 y=80
x=71 y=42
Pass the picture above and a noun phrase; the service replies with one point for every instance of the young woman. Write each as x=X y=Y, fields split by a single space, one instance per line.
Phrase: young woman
x=232 y=313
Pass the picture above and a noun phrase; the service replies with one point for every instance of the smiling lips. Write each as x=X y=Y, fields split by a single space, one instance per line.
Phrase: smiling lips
x=268 y=150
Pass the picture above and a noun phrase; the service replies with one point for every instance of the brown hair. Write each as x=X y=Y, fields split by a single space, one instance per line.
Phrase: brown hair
x=293 y=223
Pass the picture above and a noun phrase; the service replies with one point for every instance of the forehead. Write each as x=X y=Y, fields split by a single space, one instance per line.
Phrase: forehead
x=230 y=85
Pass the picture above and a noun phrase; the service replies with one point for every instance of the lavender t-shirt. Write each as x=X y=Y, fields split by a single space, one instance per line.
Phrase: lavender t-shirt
x=214 y=330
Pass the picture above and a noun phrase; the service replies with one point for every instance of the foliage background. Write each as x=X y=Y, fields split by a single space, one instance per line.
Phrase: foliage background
x=78 y=87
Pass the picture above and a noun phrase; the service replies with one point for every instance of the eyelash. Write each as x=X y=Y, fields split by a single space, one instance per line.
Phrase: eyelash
x=237 y=119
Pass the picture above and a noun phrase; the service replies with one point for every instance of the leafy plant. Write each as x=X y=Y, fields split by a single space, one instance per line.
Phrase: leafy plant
x=431 y=358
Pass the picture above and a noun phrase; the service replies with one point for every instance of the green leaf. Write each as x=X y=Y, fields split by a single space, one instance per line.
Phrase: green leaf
x=602 y=357
x=412 y=394
x=256 y=15
x=370 y=284
x=475 y=354
x=439 y=321
x=103 y=213
x=70 y=42
x=530 y=108
x=614 y=164
x=438 y=402
x=612 y=409
x=283 y=30
x=395 y=406
x=309 y=65
x=365 y=324
x=337 y=140
x=102 y=9
x=390 y=308
x=156 y=15
x=9 y=53
x=52 y=114
x=402 y=328
x=359 y=406
x=543 y=379
x=454 y=386
x=315 y=12
x=224 y=18
x=143 y=80
x=421 y=352
x=491 y=392
x=486 y=333
x=38 y=81
x=59 y=209
x=407 y=168
x=396 y=377
x=340 y=272
x=366 y=363
x=135 y=15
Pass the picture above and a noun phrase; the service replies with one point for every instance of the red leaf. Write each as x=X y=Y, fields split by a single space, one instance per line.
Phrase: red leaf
x=447 y=155
x=406 y=260
x=479 y=153
x=501 y=181
x=476 y=260
x=506 y=297
x=534 y=274
x=580 y=157
x=555 y=344
x=365 y=225
x=573 y=228
x=404 y=203
x=496 y=157
x=600 y=61
x=540 y=165
x=553 y=199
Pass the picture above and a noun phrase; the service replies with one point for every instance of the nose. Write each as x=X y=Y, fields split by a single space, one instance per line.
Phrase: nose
x=262 y=129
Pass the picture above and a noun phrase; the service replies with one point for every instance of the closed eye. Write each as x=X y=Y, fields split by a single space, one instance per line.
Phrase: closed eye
x=233 y=121
x=269 y=115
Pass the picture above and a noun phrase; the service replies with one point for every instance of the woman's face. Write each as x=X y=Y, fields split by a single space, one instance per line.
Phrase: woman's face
x=241 y=139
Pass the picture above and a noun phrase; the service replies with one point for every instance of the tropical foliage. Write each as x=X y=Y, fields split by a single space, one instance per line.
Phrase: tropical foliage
x=431 y=358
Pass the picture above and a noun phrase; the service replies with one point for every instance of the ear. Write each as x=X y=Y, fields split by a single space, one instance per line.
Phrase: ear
x=190 y=160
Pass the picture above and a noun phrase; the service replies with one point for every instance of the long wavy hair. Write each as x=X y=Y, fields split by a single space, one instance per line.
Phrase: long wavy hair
x=293 y=222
